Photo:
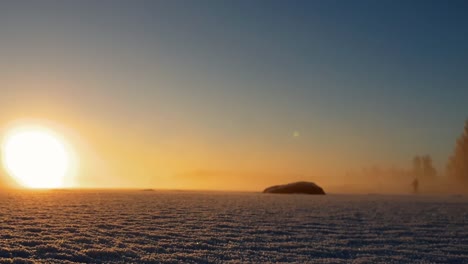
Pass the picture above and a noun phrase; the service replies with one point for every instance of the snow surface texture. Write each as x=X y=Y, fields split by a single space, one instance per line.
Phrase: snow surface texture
x=202 y=227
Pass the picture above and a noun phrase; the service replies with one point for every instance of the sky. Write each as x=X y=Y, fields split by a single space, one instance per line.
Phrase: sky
x=237 y=94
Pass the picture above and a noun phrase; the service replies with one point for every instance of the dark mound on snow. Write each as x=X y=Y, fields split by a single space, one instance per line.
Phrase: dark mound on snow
x=296 y=187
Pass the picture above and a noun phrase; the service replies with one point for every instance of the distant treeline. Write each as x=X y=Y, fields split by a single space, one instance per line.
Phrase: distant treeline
x=454 y=179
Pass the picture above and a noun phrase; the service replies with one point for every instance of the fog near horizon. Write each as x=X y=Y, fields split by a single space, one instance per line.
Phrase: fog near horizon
x=241 y=96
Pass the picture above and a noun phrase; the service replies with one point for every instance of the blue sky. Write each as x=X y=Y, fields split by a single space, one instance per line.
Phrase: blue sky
x=363 y=82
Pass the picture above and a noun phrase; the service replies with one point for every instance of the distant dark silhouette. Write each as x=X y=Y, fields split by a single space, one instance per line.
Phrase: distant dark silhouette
x=415 y=185
x=296 y=187
x=457 y=166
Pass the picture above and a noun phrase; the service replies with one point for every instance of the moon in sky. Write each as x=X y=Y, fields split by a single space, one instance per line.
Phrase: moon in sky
x=36 y=157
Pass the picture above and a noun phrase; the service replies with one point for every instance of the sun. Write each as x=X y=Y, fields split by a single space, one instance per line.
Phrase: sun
x=36 y=157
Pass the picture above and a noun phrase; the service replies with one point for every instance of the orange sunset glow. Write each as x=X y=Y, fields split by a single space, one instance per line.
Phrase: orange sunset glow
x=247 y=131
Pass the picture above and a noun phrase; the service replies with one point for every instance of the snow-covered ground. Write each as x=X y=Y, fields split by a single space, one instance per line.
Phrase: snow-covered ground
x=201 y=227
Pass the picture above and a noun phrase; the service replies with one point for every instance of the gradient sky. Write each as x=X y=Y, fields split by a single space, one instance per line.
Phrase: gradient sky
x=237 y=94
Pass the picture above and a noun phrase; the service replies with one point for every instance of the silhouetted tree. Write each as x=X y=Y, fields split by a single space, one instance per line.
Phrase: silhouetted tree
x=428 y=170
x=423 y=167
x=457 y=166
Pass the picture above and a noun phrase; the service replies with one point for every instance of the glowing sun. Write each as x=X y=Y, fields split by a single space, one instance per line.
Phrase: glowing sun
x=36 y=157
